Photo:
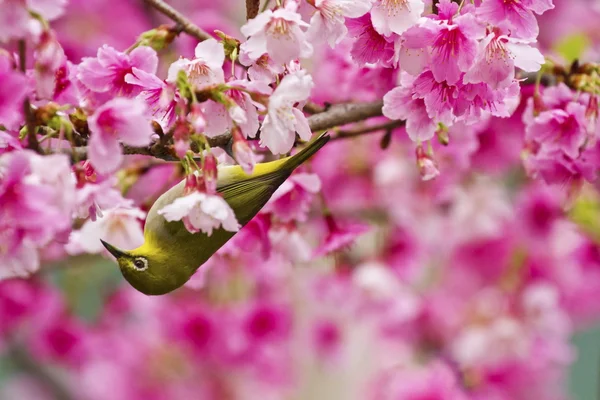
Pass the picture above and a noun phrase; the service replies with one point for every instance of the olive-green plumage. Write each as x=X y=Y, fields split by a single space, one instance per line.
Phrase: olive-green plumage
x=171 y=254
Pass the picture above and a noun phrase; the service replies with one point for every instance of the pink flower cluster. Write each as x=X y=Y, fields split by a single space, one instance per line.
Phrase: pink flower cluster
x=367 y=275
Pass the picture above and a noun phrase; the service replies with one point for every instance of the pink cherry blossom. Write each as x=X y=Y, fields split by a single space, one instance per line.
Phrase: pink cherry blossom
x=160 y=96
x=278 y=33
x=400 y=104
x=92 y=199
x=563 y=130
x=201 y=212
x=243 y=111
x=283 y=119
x=122 y=120
x=453 y=45
x=205 y=70
x=327 y=23
x=36 y=201
x=518 y=15
x=108 y=71
x=120 y=226
x=292 y=200
x=396 y=16
x=16 y=21
x=370 y=46
x=498 y=55
x=50 y=56
x=13 y=89
x=339 y=236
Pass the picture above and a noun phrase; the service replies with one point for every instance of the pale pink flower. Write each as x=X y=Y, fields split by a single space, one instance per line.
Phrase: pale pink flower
x=396 y=16
x=277 y=33
x=453 y=45
x=49 y=57
x=292 y=200
x=13 y=89
x=327 y=23
x=497 y=57
x=92 y=199
x=107 y=73
x=122 y=120
x=243 y=111
x=284 y=119
x=8 y=143
x=516 y=14
x=205 y=70
x=119 y=226
x=262 y=69
x=15 y=20
x=201 y=212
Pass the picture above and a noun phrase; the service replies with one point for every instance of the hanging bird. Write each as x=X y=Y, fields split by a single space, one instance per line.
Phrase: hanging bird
x=171 y=254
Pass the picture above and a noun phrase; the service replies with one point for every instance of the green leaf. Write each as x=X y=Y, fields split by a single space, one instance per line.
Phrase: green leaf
x=572 y=47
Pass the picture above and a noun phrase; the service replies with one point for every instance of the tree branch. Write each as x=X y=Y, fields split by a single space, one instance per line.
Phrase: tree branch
x=252 y=7
x=336 y=115
x=186 y=25
x=368 y=129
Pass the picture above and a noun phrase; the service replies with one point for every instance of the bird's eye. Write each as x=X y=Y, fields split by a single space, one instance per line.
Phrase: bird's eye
x=141 y=264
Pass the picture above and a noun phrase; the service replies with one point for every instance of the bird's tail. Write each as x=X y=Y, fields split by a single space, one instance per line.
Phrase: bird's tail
x=307 y=152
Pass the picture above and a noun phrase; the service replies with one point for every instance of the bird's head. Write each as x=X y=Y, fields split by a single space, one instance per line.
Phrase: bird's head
x=147 y=269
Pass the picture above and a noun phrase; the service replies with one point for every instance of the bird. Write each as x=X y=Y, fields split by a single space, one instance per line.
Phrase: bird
x=171 y=254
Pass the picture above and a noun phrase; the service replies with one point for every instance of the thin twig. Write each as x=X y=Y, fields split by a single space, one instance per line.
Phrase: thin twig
x=32 y=139
x=186 y=25
x=342 y=114
x=252 y=7
x=368 y=129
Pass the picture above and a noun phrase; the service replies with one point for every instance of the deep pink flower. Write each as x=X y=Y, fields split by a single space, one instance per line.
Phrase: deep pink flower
x=122 y=120
x=370 y=46
x=267 y=322
x=107 y=73
x=400 y=104
x=160 y=96
x=13 y=89
x=516 y=14
x=278 y=33
x=564 y=130
x=36 y=202
x=497 y=58
x=453 y=45
x=339 y=236
x=291 y=201
x=396 y=16
x=327 y=23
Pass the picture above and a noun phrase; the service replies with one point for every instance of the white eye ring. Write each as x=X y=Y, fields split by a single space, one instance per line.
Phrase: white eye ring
x=140 y=264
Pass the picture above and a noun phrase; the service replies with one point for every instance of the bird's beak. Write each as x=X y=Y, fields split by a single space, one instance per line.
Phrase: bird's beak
x=112 y=249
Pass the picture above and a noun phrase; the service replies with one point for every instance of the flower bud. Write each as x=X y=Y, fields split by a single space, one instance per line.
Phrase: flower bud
x=158 y=38
x=181 y=135
x=49 y=57
x=209 y=172
x=428 y=168
x=242 y=152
